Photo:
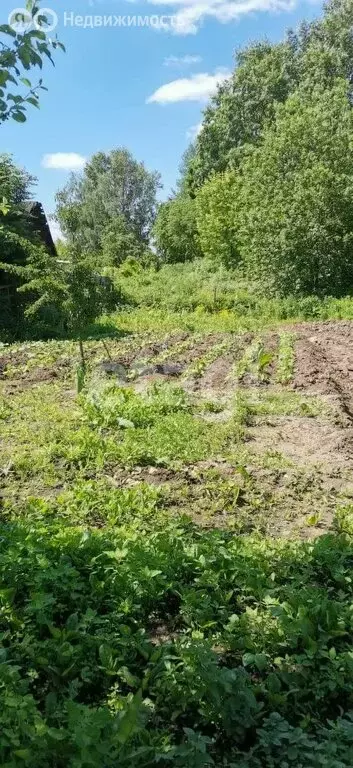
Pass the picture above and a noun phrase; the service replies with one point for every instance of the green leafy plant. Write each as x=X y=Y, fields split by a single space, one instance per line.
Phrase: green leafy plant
x=286 y=358
x=26 y=51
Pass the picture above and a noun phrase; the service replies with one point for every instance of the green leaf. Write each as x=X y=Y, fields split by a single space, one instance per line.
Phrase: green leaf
x=5 y=29
x=4 y=76
x=260 y=661
x=19 y=117
x=128 y=677
x=129 y=721
x=26 y=82
x=72 y=622
x=38 y=34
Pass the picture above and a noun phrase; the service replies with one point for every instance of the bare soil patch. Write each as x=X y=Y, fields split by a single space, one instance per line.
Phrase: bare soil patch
x=324 y=362
x=323 y=366
x=299 y=501
x=304 y=441
x=321 y=446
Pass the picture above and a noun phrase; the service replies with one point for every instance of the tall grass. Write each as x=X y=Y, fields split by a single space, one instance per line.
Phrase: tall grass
x=198 y=296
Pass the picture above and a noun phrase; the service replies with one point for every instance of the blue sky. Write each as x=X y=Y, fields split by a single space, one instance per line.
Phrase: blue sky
x=136 y=86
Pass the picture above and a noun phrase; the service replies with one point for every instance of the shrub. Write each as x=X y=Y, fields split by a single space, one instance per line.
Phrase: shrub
x=215 y=219
x=175 y=230
x=295 y=217
x=288 y=210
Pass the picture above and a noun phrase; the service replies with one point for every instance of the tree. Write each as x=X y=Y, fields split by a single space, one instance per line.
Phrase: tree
x=292 y=207
x=15 y=182
x=265 y=76
x=15 y=190
x=17 y=236
x=183 y=181
x=175 y=231
x=119 y=243
x=65 y=295
x=215 y=219
x=112 y=188
x=15 y=251
x=26 y=50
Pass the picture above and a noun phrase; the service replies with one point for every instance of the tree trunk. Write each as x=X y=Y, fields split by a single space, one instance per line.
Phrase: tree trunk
x=82 y=354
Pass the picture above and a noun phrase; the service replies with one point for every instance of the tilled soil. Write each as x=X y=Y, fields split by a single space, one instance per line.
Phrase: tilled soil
x=321 y=445
x=324 y=362
x=297 y=464
x=323 y=367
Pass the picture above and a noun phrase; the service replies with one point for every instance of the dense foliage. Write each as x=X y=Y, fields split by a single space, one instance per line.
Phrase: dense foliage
x=216 y=207
x=84 y=682
x=42 y=294
x=271 y=167
x=18 y=238
x=109 y=209
x=175 y=231
x=286 y=213
x=265 y=75
x=23 y=49
x=150 y=616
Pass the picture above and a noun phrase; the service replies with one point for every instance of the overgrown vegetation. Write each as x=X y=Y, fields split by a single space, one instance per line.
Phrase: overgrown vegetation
x=271 y=165
x=130 y=633
x=176 y=523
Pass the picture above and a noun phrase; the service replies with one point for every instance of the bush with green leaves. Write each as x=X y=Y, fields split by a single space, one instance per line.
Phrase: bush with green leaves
x=175 y=231
x=151 y=642
x=293 y=201
x=215 y=219
x=21 y=51
x=287 y=211
x=62 y=297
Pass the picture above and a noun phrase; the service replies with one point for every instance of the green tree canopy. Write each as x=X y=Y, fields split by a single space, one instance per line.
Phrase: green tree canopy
x=112 y=186
x=175 y=231
x=290 y=204
x=215 y=220
x=265 y=75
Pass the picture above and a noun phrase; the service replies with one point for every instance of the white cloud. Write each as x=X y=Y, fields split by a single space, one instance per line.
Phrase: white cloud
x=181 y=61
x=193 y=132
x=195 y=88
x=191 y=13
x=64 y=161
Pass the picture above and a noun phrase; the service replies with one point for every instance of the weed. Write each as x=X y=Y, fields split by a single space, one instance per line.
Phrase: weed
x=286 y=358
x=146 y=617
x=255 y=361
x=285 y=403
